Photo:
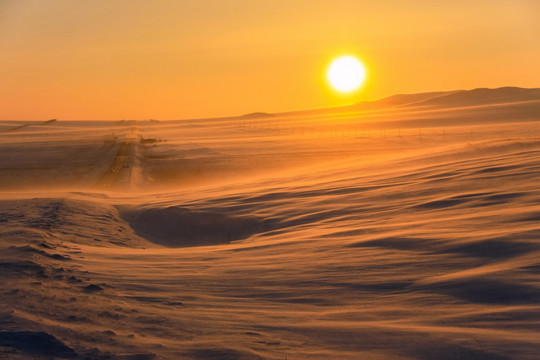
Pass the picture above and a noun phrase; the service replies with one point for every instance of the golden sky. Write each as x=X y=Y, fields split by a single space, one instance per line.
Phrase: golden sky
x=175 y=59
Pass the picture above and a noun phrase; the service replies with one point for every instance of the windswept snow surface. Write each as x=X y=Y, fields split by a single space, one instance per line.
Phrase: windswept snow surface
x=402 y=229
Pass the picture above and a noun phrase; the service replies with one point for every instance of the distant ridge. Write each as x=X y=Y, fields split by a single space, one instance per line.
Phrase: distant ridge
x=456 y=98
x=18 y=127
x=483 y=96
x=406 y=99
x=256 y=115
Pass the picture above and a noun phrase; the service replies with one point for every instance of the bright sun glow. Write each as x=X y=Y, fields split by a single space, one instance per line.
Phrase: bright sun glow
x=346 y=74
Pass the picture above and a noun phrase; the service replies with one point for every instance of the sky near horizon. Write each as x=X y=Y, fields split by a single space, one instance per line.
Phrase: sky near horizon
x=178 y=59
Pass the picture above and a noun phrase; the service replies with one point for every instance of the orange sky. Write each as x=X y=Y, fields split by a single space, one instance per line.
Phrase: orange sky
x=173 y=59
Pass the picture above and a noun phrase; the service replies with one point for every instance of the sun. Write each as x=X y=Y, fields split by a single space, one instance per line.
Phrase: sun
x=346 y=74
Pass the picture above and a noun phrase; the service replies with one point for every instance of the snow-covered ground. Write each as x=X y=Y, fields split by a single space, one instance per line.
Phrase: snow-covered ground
x=407 y=228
